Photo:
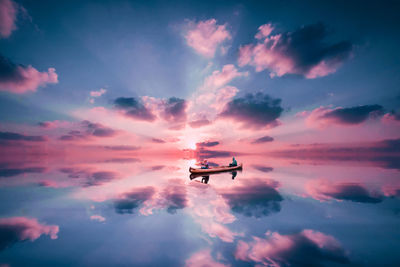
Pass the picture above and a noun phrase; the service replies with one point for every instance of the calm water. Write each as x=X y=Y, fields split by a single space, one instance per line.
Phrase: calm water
x=150 y=212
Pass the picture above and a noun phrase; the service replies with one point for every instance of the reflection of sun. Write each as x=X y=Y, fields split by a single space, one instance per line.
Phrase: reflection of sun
x=192 y=145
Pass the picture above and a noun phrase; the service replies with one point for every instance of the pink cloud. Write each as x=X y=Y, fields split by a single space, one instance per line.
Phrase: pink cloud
x=211 y=97
x=22 y=229
x=302 y=52
x=325 y=116
x=54 y=124
x=307 y=248
x=21 y=79
x=205 y=36
x=98 y=93
x=8 y=16
x=203 y=258
x=391 y=118
x=325 y=190
x=218 y=230
x=97 y=218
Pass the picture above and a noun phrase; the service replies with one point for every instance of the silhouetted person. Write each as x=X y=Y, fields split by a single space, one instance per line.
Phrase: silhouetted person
x=205 y=179
x=234 y=162
x=234 y=175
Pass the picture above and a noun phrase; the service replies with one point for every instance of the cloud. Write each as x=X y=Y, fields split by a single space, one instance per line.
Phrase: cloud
x=98 y=218
x=199 y=123
x=203 y=258
x=263 y=168
x=326 y=190
x=175 y=110
x=18 y=229
x=89 y=177
x=263 y=139
x=206 y=36
x=8 y=17
x=54 y=124
x=324 y=116
x=122 y=148
x=391 y=118
x=134 y=109
x=302 y=52
x=383 y=154
x=14 y=172
x=174 y=196
x=98 y=93
x=95 y=94
x=133 y=200
x=211 y=97
x=307 y=248
x=254 y=110
x=157 y=141
x=20 y=79
x=90 y=130
x=255 y=198
x=207 y=144
x=9 y=136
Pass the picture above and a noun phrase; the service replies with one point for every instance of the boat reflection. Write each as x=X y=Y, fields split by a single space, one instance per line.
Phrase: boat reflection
x=205 y=178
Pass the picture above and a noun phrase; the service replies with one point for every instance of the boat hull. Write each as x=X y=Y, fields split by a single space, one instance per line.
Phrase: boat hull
x=216 y=169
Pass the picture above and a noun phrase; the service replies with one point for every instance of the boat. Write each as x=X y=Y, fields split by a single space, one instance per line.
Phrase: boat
x=216 y=169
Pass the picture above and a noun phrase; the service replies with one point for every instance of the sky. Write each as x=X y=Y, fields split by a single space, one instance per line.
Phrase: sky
x=99 y=99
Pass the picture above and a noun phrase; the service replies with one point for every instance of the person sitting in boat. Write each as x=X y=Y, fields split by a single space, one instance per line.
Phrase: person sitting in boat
x=234 y=162
x=205 y=164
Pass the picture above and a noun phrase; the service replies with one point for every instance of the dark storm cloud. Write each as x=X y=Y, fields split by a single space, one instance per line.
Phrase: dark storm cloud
x=131 y=201
x=256 y=198
x=9 y=136
x=254 y=110
x=207 y=144
x=263 y=168
x=353 y=115
x=14 y=171
x=133 y=108
x=263 y=139
x=175 y=110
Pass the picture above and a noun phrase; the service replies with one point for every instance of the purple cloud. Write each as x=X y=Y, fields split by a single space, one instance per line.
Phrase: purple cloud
x=18 y=229
x=175 y=110
x=131 y=201
x=307 y=248
x=263 y=139
x=20 y=79
x=8 y=17
x=254 y=110
x=302 y=52
x=134 y=109
x=199 y=123
x=9 y=136
x=14 y=171
x=255 y=198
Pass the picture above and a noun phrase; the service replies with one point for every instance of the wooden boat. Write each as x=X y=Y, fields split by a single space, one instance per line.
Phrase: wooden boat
x=216 y=169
